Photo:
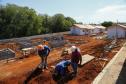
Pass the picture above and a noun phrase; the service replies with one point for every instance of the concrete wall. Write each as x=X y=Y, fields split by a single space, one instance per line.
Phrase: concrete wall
x=75 y=31
x=78 y=31
x=55 y=40
x=116 y=31
x=6 y=53
x=98 y=30
x=110 y=74
x=32 y=37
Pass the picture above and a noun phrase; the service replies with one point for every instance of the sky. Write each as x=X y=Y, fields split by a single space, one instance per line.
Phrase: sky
x=86 y=11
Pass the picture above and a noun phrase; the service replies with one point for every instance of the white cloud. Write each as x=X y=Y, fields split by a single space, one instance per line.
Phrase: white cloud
x=111 y=13
x=114 y=8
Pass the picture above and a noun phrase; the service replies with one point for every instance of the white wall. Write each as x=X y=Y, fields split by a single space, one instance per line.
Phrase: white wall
x=77 y=31
x=97 y=30
x=114 y=31
x=83 y=32
x=72 y=30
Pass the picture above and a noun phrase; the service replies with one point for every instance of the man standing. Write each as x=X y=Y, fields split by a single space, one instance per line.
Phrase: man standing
x=75 y=58
x=43 y=52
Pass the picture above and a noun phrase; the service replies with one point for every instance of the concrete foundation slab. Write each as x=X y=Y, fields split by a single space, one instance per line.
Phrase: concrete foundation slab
x=86 y=58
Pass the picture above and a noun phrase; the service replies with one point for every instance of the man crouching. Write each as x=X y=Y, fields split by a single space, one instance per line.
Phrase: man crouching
x=61 y=72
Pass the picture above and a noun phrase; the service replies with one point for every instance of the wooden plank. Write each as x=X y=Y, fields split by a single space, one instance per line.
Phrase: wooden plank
x=86 y=58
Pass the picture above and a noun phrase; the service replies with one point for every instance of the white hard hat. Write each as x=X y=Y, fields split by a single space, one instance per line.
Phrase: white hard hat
x=73 y=48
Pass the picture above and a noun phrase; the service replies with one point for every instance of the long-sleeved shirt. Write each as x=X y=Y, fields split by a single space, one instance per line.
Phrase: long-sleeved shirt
x=45 y=51
x=75 y=57
x=61 y=67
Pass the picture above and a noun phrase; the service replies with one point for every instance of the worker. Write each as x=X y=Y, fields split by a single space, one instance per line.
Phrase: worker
x=61 y=71
x=74 y=47
x=75 y=58
x=45 y=42
x=43 y=52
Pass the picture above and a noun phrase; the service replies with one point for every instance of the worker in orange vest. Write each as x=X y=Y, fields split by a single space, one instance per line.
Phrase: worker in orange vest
x=43 y=52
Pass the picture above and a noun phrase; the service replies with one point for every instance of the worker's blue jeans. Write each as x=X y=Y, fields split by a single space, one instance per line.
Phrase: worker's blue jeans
x=74 y=66
x=43 y=63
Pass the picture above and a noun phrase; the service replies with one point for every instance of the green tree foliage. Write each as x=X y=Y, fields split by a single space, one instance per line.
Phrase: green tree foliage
x=16 y=21
x=107 y=23
x=46 y=23
x=57 y=23
x=68 y=23
x=61 y=23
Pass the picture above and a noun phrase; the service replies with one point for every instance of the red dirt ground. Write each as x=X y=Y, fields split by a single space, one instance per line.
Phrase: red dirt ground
x=16 y=72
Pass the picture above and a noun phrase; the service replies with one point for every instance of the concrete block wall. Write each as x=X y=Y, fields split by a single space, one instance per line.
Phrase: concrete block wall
x=6 y=53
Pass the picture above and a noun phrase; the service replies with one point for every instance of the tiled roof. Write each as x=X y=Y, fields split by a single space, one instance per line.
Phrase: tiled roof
x=123 y=26
x=102 y=27
x=84 y=26
x=119 y=25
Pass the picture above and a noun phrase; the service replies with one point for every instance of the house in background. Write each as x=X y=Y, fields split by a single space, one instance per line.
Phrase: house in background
x=98 y=29
x=86 y=29
x=116 y=31
x=80 y=29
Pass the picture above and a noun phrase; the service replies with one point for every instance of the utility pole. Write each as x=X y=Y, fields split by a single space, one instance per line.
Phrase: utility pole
x=116 y=31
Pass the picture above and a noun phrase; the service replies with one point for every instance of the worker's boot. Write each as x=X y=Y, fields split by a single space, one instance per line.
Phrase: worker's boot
x=45 y=67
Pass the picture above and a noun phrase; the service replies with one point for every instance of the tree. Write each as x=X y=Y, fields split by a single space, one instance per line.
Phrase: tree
x=17 y=21
x=70 y=20
x=57 y=23
x=60 y=23
x=107 y=23
x=46 y=23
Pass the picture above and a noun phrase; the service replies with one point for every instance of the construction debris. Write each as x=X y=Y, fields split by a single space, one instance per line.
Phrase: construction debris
x=6 y=54
x=112 y=45
x=102 y=62
x=28 y=51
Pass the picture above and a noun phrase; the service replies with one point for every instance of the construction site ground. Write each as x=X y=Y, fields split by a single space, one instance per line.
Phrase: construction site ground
x=114 y=72
x=17 y=71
